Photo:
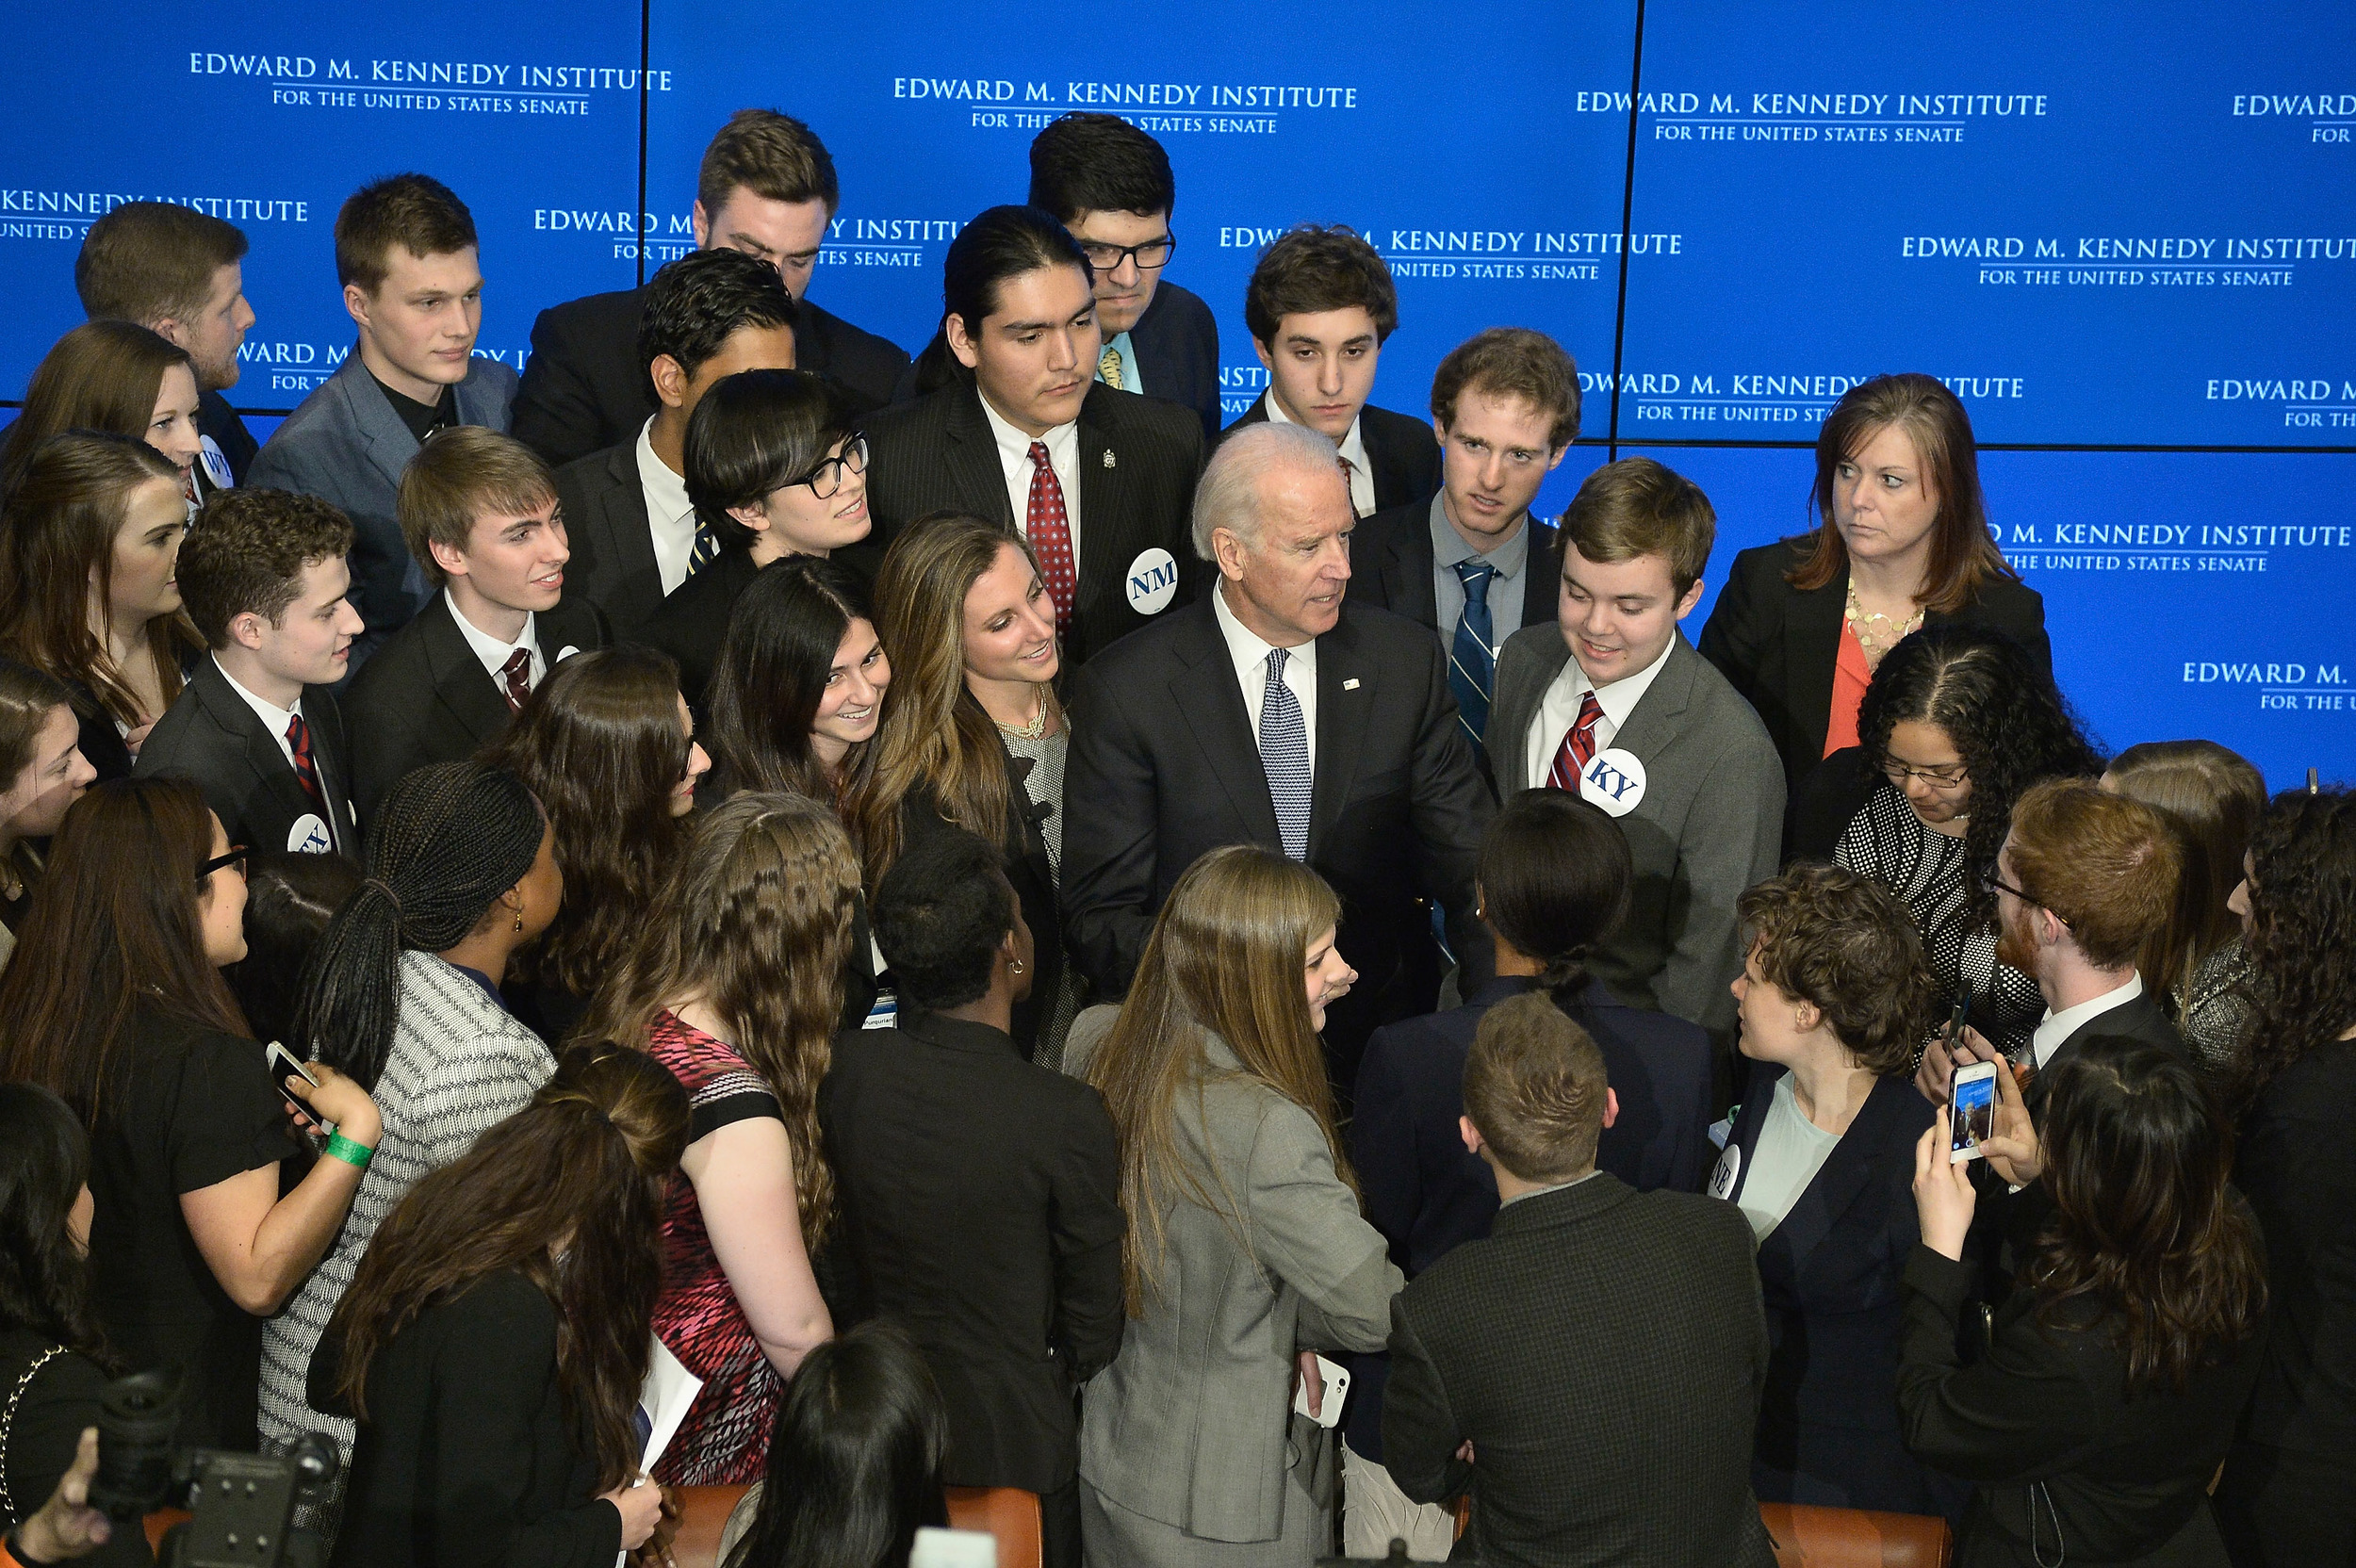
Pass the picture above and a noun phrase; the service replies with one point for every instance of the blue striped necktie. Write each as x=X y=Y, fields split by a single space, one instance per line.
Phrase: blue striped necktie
x=1472 y=659
x=705 y=548
x=1284 y=757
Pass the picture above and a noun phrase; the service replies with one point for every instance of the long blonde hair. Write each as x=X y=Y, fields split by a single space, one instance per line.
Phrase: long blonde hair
x=756 y=919
x=934 y=732
x=1226 y=959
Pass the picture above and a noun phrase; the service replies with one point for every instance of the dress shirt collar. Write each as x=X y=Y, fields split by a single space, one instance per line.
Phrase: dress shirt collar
x=1619 y=699
x=1448 y=546
x=667 y=492
x=1558 y=1186
x=2059 y=1027
x=1351 y=445
x=489 y=649
x=1247 y=648
x=1132 y=380
x=274 y=718
x=1063 y=441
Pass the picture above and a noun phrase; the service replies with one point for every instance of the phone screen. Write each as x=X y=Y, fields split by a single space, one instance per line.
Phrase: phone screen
x=1974 y=1111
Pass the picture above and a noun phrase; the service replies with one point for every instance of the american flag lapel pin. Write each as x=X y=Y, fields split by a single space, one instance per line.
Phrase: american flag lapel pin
x=1108 y=457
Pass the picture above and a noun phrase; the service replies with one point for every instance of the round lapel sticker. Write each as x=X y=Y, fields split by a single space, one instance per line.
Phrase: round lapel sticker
x=1152 y=582
x=308 y=836
x=1728 y=1173
x=216 y=463
x=1614 y=781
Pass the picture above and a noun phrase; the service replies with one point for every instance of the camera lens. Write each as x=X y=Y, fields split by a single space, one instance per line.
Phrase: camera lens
x=136 y=1417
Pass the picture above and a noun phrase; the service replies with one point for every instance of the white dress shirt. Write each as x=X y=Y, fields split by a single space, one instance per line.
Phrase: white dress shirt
x=2059 y=1027
x=1559 y=710
x=1250 y=655
x=275 y=719
x=494 y=653
x=670 y=515
x=1353 y=450
x=1063 y=455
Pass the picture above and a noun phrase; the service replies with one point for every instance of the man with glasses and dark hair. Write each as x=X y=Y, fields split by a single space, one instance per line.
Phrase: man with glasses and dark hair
x=1109 y=184
x=635 y=532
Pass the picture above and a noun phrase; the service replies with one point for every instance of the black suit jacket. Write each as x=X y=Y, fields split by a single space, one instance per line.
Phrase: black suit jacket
x=1429 y=1195
x=584 y=387
x=217 y=418
x=691 y=625
x=1603 y=1351
x=605 y=522
x=1176 y=342
x=1391 y=566
x=210 y=735
x=1778 y=645
x=2297 y=1160
x=1138 y=459
x=981 y=1209
x=1402 y=451
x=1164 y=766
x=425 y=697
x=1829 y=1421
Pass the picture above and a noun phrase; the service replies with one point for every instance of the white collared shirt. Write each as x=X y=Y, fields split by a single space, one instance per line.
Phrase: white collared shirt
x=1014 y=457
x=2057 y=1027
x=494 y=653
x=1354 y=449
x=275 y=719
x=670 y=515
x=1558 y=708
x=1249 y=657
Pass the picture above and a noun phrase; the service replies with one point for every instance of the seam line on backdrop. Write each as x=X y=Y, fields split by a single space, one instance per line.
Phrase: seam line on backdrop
x=645 y=50
x=1628 y=215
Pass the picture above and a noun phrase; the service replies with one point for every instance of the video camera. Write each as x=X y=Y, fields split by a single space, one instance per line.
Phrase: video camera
x=242 y=1507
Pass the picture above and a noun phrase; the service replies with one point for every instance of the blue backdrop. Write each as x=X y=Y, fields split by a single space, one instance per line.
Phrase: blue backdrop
x=2125 y=235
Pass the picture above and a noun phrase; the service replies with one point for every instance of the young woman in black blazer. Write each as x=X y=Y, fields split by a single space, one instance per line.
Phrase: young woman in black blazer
x=2119 y=1370
x=1902 y=542
x=495 y=1341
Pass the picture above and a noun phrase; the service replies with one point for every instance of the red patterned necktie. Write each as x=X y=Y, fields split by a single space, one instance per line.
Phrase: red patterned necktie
x=1578 y=747
x=299 y=742
x=1049 y=529
x=515 y=675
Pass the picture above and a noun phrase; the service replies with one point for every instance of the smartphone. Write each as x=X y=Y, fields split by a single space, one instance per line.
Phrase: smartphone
x=1972 y=1104
x=1330 y=1401
x=938 y=1548
x=282 y=1065
x=1951 y=1036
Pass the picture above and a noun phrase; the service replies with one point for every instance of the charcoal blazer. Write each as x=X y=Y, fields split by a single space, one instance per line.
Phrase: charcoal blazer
x=1829 y=1429
x=1138 y=459
x=1603 y=1351
x=345 y=445
x=1176 y=342
x=1709 y=825
x=1164 y=766
x=605 y=523
x=584 y=387
x=691 y=623
x=211 y=735
x=427 y=698
x=1391 y=566
x=1402 y=449
x=1779 y=644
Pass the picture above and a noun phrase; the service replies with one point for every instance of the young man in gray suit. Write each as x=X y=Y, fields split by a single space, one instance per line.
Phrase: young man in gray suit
x=407 y=255
x=1611 y=701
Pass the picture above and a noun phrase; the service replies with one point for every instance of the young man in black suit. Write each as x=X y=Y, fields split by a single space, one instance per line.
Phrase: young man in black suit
x=181 y=274
x=634 y=531
x=256 y=725
x=981 y=1192
x=481 y=515
x=1097 y=481
x=767 y=188
x=1599 y=1357
x=1319 y=306
x=1474 y=564
x=1109 y=182
x=1273 y=713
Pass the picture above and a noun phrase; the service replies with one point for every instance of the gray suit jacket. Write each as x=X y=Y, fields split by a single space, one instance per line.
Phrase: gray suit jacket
x=1190 y=1423
x=345 y=445
x=1711 y=822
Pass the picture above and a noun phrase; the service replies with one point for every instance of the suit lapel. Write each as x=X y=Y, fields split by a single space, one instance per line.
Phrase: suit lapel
x=1256 y=414
x=1654 y=724
x=1811 y=646
x=972 y=460
x=389 y=442
x=1204 y=690
x=262 y=754
x=1837 y=1183
x=327 y=757
x=464 y=686
x=623 y=533
x=1541 y=578
x=1406 y=573
x=1105 y=498
x=1345 y=696
x=1382 y=462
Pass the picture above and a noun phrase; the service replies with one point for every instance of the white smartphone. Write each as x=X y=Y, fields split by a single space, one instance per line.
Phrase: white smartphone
x=1329 y=1402
x=938 y=1548
x=1971 y=1110
x=283 y=1065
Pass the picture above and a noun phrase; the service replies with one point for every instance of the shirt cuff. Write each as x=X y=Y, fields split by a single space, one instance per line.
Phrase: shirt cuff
x=1938 y=1276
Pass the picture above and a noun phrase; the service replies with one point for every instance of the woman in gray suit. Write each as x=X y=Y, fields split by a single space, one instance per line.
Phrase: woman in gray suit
x=1245 y=1252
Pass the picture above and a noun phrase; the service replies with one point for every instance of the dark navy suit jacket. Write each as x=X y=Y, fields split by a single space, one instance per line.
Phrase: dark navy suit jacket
x=1427 y=1194
x=1829 y=1429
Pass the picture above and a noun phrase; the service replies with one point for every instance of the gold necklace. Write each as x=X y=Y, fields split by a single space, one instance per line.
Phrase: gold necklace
x=1861 y=623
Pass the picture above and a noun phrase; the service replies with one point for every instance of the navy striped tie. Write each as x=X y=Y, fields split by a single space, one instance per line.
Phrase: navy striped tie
x=1284 y=757
x=1472 y=659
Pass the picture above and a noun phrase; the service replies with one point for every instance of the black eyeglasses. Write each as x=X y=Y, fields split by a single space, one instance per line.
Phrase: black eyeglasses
x=1945 y=777
x=2001 y=886
x=1107 y=258
x=237 y=857
x=825 y=480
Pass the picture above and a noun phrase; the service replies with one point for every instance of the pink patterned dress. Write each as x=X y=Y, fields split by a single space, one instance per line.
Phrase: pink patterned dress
x=725 y=1439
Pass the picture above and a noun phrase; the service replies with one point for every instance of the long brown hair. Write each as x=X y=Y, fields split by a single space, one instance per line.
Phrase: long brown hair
x=2213 y=798
x=58 y=547
x=1226 y=960
x=2145 y=1232
x=102 y=376
x=113 y=928
x=934 y=732
x=1964 y=557
x=755 y=921
x=771 y=676
x=599 y=746
x=568 y=1191
x=2303 y=932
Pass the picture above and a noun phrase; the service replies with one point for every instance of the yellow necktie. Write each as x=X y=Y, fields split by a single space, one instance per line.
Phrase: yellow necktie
x=1108 y=368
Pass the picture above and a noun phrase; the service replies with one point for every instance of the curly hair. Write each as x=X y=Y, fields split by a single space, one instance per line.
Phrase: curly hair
x=2303 y=932
x=2003 y=713
x=1846 y=945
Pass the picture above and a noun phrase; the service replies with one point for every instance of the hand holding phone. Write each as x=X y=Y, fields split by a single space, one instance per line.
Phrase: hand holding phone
x=1332 y=1386
x=1974 y=1107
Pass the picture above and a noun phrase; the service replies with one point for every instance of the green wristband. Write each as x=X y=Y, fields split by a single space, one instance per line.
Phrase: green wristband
x=353 y=1155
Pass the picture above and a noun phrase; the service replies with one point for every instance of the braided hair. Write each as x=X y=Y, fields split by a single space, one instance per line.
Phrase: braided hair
x=450 y=838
